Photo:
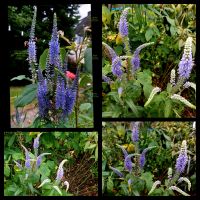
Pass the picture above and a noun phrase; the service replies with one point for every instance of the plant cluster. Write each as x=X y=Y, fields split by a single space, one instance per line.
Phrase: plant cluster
x=57 y=90
x=140 y=173
x=34 y=174
x=131 y=92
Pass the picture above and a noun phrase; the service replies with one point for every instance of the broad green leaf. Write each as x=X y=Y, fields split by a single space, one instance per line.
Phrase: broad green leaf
x=88 y=60
x=132 y=106
x=149 y=33
x=106 y=15
x=148 y=177
x=110 y=184
x=85 y=106
x=11 y=140
x=43 y=57
x=171 y=21
x=7 y=170
x=27 y=96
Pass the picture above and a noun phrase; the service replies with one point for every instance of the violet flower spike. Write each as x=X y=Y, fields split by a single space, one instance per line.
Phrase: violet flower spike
x=182 y=159
x=54 y=46
x=116 y=67
x=128 y=163
x=116 y=171
x=60 y=171
x=39 y=159
x=42 y=92
x=135 y=133
x=27 y=158
x=31 y=43
x=123 y=24
x=36 y=142
x=135 y=61
x=186 y=63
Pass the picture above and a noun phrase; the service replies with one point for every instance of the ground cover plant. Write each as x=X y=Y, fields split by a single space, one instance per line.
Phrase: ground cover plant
x=50 y=164
x=149 y=159
x=60 y=98
x=148 y=67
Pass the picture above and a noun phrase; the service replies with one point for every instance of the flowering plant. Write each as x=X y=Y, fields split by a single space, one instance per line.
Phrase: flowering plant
x=130 y=91
x=136 y=171
x=31 y=176
x=55 y=88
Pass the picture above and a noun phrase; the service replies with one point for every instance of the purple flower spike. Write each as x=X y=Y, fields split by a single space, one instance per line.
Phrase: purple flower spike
x=186 y=63
x=128 y=163
x=36 y=142
x=116 y=171
x=27 y=160
x=31 y=43
x=39 y=159
x=182 y=159
x=106 y=79
x=123 y=24
x=124 y=151
x=60 y=94
x=116 y=67
x=54 y=46
x=60 y=171
x=31 y=52
x=43 y=101
x=120 y=90
x=135 y=133
x=135 y=61
x=142 y=159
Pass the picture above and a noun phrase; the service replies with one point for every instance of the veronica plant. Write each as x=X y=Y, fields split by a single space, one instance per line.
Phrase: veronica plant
x=132 y=170
x=132 y=93
x=56 y=95
x=171 y=184
x=32 y=178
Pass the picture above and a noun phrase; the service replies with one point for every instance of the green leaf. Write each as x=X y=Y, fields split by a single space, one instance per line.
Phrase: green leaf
x=148 y=177
x=168 y=107
x=20 y=77
x=171 y=21
x=110 y=184
x=27 y=96
x=96 y=153
x=173 y=30
x=85 y=107
x=7 y=170
x=149 y=33
x=106 y=15
x=132 y=106
x=88 y=60
x=11 y=140
x=118 y=50
x=43 y=57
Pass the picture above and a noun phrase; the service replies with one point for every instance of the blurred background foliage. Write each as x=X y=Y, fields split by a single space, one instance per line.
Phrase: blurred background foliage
x=167 y=25
x=167 y=136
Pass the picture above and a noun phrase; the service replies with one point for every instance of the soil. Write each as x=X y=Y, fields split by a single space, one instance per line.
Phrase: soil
x=28 y=114
x=80 y=177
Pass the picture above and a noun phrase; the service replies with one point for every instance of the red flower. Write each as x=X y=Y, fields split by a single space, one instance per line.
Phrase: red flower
x=70 y=75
